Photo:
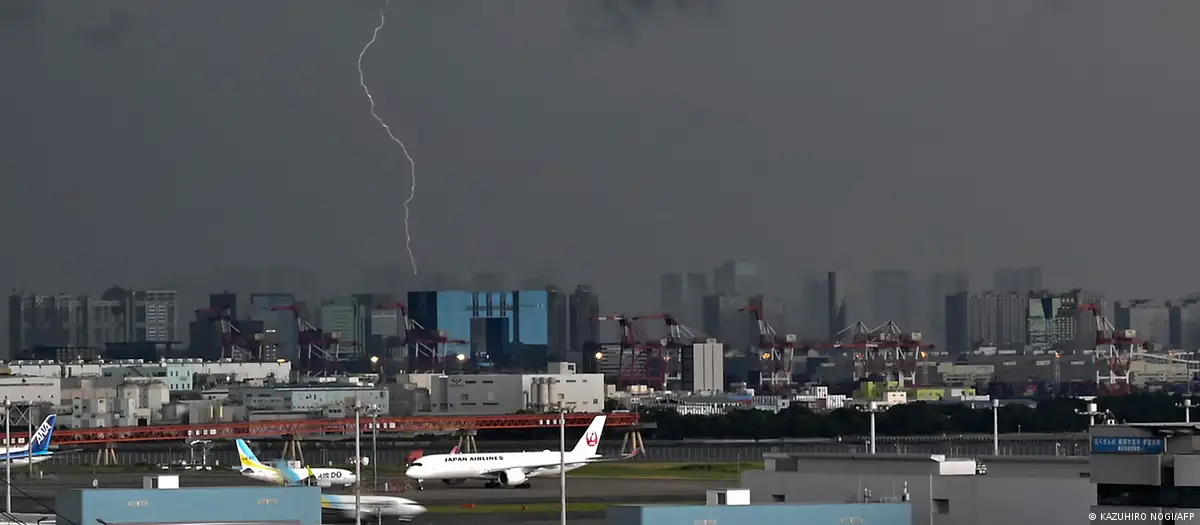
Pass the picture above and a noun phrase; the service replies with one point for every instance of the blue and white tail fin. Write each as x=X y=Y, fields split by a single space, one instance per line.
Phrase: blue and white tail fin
x=590 y=441
x=39 y=443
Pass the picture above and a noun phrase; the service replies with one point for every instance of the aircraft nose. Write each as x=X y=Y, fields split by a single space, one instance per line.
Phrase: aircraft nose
x=412 y=472
x=417 y=509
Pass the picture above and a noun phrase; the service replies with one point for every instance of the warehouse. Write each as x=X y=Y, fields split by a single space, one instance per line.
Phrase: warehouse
x=995 y=490
x=734 y=506
x=164 y=502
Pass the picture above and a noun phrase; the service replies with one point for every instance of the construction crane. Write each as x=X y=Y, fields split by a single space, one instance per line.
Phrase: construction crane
x=314 y=355
x=885 y=352
x=638 y=363
x=776 y=354
x=425 y=349
x=1114 y=351
x=234 y=344
x=671 y=346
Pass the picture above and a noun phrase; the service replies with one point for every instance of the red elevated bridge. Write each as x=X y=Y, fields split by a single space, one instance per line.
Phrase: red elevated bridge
x=319 y=426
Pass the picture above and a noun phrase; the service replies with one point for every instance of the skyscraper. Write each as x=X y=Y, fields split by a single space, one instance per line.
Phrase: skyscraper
x=736 y=278
x=814 y=308
x=941 y=285
x=835 y=306
x=671 y=292
x=584 y=325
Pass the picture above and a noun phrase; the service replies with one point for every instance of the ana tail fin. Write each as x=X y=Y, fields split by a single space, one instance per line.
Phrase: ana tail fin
x=39 y=442
x=590 y=441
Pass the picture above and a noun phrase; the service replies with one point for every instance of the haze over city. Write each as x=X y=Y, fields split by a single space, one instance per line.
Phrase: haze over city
x=165 y=143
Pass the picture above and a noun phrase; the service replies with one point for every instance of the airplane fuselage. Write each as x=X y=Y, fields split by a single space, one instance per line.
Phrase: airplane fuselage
x=322 y=476
x=391 y=506
x=478 y=466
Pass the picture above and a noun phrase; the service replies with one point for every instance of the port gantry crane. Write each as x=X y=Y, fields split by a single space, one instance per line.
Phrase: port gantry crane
x=425 y=350
x=315 y=357
x=885 y=352
x=776 y=354
x=1114 y=351
x=677 y=338
x=642 y=360
x=234 y=344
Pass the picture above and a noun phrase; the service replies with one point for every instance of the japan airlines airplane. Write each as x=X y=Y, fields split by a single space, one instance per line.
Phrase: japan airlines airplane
x=512 y=469
x=38 y=449
x=282 y=474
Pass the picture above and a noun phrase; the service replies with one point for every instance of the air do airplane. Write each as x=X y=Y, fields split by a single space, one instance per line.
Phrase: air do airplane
x=282 y=474
x=509 y=469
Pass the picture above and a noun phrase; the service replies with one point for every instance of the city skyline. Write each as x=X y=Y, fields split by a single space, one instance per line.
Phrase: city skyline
x=183 y=161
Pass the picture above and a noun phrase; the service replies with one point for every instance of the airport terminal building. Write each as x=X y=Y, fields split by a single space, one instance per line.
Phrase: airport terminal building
x=1136 y=473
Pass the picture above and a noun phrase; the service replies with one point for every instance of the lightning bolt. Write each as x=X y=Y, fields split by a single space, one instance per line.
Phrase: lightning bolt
x=412 y=191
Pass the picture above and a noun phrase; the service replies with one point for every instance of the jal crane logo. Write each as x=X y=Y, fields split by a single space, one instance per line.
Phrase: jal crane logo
x=592 y=439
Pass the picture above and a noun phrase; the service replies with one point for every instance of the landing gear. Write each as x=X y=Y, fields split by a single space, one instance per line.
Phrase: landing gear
x=525 y=485
x=420 y=485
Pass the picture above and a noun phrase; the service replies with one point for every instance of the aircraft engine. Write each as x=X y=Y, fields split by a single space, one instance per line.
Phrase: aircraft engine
x=513 y=477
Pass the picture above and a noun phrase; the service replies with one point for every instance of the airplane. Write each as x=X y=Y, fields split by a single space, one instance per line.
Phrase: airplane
x=38 y=449
x=282 y=474
x=511 y=469
x=403 y=509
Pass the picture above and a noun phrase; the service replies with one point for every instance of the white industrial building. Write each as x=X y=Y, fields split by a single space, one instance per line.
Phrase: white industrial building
x=30 y=389
x=177 y=374
x=484 y=394
x=330 y=400
x=100 y=402
x=703 y=367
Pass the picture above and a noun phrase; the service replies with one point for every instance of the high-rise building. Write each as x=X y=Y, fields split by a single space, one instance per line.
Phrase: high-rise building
x=671 y=291
x=1017 y=280
x=584 y=325
x=56 y=321
x=724 y=322
x=941 y=285
x=1064 y=322
x=1156 y=323
x=835 y=305
x=892 y=298
x=559 y=342
x=736 y=278
x=507 y=330
x=957 y=311
x=812 y=314
x=998 y=320
x=347 y=320
x=281 y=333
x=696 y=287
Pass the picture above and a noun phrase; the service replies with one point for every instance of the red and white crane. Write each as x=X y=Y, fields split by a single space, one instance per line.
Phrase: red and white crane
x=884 y=352
x=776 y=354
x=426 y=350
x=1114 y=351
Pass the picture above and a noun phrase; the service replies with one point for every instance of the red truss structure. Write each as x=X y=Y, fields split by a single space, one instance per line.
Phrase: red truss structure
x=884 y=352
x=642 y=360
x=1114 y=351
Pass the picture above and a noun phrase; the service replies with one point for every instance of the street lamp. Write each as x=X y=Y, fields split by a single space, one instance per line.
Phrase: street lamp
x=357 y=463
x=8 y=463
x=995 y=427
x=1091 y=413
x=873 y=408
x=1187 y=409
x=373 y=411
x=562 y=460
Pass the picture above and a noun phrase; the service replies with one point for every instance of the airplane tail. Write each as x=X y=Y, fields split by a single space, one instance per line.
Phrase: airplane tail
x=246 y=456
x=590 y=441
x=40 y=441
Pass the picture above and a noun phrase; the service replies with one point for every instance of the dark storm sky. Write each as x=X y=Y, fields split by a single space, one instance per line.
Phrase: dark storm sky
x=146 y=140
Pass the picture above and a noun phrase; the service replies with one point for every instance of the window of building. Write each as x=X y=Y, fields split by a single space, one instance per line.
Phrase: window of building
x=941 y=506
x=777 y=498
x=463 y=397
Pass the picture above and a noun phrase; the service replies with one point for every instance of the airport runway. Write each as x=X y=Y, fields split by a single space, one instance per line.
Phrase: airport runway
x=34 y=495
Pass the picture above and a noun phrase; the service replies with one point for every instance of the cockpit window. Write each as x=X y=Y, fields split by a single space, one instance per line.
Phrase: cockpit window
x=417 y=464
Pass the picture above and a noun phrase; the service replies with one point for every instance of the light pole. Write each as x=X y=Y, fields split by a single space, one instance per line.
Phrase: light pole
x=7 y=462
x=562 y=461
x=373 y=410
x=357 y=464
x=873 y=408
x=1187 y=409
x=995 y=427
x=1091 y=413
